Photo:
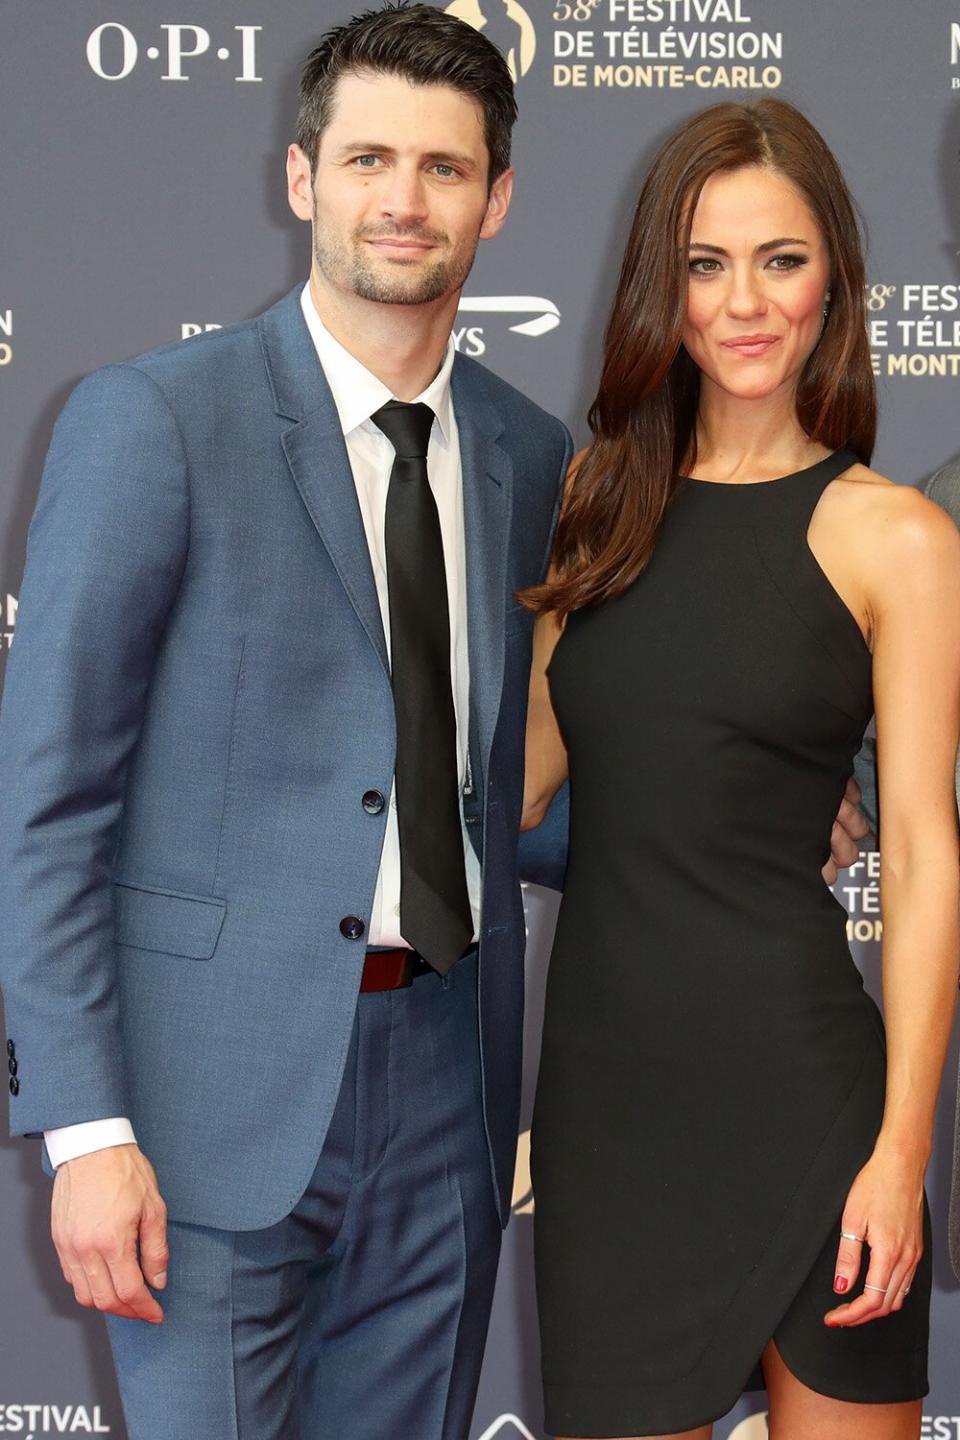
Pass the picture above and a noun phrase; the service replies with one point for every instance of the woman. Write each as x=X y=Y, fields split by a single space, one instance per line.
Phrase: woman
x=728 y=1169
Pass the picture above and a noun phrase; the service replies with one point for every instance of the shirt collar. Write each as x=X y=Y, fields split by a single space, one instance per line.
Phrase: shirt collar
x=357 y=392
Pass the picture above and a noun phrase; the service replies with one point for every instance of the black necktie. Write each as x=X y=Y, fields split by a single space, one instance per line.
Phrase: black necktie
x=435 y=914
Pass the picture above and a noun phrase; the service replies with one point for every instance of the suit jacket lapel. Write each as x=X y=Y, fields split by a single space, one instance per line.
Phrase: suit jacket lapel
x=318 y=460
x=487 y=501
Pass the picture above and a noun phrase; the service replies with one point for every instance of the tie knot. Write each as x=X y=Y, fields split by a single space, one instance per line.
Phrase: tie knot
x=407 y=427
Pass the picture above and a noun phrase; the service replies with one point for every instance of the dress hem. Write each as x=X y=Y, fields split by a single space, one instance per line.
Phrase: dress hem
x=616 y=1429
x=614 y=1409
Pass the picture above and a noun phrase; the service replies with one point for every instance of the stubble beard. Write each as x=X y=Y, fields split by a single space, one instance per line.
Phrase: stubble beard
x=349 y=269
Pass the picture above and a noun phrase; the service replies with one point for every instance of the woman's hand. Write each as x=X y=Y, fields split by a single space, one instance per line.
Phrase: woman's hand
x=850 y=827
x=885 y=1209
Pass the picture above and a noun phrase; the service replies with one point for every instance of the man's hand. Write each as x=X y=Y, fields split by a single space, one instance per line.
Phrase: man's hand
x=104 y=1206
x=850 y=826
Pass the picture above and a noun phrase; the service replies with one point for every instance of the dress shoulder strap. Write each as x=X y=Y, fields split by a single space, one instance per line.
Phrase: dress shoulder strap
x=801 y=493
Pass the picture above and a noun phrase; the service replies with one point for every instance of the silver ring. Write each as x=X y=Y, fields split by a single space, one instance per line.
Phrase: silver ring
x=881 y=1288
x=848 y=1235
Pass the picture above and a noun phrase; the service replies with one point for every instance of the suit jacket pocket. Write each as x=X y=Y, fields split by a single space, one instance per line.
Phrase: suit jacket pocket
x=167 y=921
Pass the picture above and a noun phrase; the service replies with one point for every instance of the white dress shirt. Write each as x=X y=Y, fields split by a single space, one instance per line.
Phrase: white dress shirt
x=357 y=394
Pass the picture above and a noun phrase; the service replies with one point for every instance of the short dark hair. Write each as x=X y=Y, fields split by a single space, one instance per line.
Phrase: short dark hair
x=423 y=45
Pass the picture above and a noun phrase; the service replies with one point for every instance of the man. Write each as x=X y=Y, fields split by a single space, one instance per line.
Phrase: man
x=244 y=814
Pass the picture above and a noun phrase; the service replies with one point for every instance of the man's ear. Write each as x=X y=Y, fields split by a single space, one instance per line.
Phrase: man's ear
x=299 y=183
x=498 y=204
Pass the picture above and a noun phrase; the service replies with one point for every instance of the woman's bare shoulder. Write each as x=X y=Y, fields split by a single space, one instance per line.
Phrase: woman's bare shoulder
x=898 y=523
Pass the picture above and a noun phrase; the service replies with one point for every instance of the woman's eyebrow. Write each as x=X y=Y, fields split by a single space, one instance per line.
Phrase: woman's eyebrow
x=760 y=249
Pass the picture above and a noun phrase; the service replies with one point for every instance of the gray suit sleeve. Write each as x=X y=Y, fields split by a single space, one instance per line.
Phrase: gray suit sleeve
x=105 y=554
x=542 y=855
x=865 y=774
x=944 y=488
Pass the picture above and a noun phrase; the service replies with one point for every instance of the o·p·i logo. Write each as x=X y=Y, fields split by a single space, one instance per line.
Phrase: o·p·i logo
x=506 y=24
x=113 y=51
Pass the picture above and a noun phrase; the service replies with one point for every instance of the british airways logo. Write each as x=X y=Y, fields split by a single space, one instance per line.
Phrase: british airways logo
x=544 y=315
x=530 y=315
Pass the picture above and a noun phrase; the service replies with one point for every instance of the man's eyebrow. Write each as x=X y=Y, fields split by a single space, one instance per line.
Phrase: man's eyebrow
x=760 y=250
x=365 y=147
x=453 y=157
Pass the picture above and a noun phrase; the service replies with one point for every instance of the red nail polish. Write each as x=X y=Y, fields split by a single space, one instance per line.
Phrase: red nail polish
x=840 y=1284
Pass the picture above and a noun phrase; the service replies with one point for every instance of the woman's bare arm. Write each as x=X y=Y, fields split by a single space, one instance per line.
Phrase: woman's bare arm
x=546 y=754
x=916 y=668
x=911 y=552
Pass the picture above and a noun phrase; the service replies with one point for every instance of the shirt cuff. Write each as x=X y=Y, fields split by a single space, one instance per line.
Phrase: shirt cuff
x=70 y=1141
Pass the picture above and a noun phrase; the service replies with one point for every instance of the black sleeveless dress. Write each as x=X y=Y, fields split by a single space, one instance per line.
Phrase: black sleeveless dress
x=712 y=1074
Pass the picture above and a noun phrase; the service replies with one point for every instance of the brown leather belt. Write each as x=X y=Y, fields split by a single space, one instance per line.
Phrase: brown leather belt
x=392 y=969
x=395 y=969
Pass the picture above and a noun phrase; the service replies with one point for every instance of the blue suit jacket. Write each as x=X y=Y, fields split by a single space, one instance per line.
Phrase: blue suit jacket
x=197 y=699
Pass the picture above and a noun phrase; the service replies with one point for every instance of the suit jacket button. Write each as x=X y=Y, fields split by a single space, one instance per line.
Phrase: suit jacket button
x=12 y=1065
x=351 y=927
x=373 y=802
x=14 y=1085
x=11 y=1048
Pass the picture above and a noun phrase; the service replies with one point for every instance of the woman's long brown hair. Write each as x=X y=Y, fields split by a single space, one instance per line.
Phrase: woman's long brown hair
x=644 y=416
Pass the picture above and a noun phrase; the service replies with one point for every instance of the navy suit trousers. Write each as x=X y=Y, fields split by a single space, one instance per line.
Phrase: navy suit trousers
x=362 y=1314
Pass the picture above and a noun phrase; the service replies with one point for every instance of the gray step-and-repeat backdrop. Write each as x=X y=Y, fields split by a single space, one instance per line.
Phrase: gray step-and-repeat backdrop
x=143 y=200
